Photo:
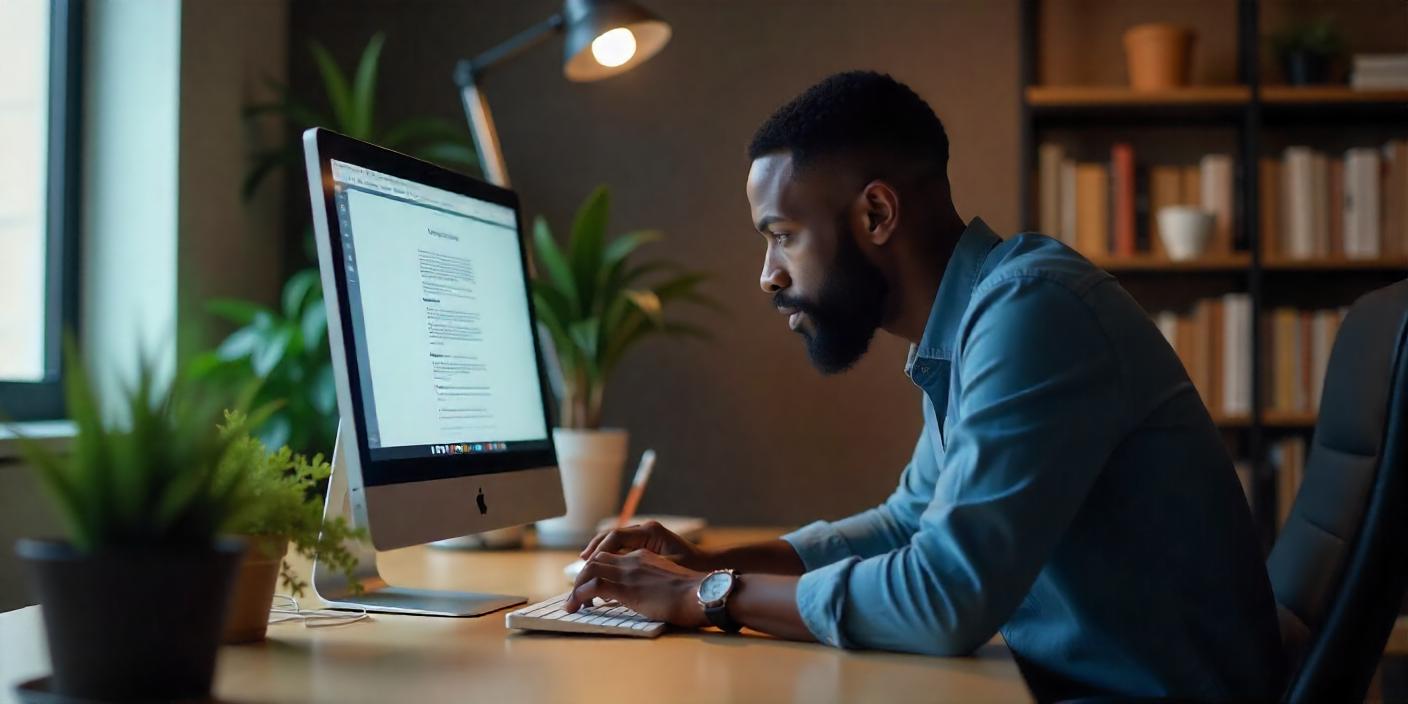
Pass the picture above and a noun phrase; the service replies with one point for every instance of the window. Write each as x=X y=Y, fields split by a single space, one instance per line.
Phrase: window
x=41 y=50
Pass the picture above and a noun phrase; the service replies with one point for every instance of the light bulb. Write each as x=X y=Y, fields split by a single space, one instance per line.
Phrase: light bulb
x=614 y=47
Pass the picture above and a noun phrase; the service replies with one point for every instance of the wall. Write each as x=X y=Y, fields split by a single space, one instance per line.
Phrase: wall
x=747 y=432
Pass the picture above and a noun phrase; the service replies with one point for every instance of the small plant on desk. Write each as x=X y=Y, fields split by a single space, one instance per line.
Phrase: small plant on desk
x=284 y=508
x=135 y=598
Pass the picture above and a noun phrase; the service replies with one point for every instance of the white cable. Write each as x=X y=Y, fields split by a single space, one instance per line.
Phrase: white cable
x=285 y=608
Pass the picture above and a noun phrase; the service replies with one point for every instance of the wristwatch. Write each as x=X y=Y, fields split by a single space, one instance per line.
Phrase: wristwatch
x=714 y=591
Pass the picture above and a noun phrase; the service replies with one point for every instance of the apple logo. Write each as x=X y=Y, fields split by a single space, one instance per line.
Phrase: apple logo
x=483 y=507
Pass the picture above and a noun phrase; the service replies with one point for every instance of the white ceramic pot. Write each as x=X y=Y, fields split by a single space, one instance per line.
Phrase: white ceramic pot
x=591 y=463
x=1185 y=231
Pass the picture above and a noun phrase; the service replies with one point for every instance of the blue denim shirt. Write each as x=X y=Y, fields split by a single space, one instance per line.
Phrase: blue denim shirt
x=1068 y=490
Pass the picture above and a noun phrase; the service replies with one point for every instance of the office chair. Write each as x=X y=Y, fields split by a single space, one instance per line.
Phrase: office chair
x=1340 y=565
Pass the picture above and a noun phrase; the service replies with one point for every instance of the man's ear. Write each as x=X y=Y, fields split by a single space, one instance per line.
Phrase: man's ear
x=881 y=205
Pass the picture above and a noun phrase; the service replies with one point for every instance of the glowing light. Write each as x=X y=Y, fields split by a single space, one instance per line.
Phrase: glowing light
x=614 y=47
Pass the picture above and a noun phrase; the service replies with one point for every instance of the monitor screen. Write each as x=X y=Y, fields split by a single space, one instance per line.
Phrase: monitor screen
x=440 y=319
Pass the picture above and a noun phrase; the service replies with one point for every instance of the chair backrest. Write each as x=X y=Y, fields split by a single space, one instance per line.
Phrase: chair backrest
x=1340 y=565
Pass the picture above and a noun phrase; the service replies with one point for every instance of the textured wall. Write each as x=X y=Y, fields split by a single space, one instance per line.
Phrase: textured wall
x=747 y=432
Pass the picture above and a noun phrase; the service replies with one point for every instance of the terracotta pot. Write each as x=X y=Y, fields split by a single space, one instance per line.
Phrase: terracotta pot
x=247 y=619
x=1159 y=55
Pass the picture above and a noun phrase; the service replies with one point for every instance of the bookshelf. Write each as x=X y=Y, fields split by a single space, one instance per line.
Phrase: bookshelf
x=1238 y=114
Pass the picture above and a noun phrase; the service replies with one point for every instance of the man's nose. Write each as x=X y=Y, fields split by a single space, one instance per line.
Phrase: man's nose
x=773 y=279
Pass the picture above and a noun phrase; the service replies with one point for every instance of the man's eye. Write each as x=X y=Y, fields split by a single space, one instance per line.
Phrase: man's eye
x=781 y=237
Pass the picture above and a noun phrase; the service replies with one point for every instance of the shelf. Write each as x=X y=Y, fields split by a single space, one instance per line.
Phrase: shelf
x=1288 y=419
x=1115 y=96
x=1144 y=263
x=1270 y=419
x=1335 y=264
x=1301 y=95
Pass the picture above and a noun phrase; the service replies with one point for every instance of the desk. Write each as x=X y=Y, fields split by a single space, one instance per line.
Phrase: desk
x=420 y=659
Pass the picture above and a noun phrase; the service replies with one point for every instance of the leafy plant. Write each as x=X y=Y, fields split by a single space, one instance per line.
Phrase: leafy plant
x=351 y=110
x=283 y=503
x=1321 y=37
x=596 y=306
x=154 y=479
x=283 y=354
x=281 y=359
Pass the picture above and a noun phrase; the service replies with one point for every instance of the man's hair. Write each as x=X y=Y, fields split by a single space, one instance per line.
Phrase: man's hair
x=860 y=112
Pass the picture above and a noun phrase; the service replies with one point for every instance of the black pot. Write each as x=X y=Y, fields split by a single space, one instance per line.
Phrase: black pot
x=132 y=623
x=1306 y=68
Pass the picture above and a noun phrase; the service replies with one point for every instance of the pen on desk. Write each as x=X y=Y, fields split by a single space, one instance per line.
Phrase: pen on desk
x=628 y=509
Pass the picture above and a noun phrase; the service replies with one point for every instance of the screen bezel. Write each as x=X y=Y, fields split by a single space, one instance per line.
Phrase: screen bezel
x=380 y=472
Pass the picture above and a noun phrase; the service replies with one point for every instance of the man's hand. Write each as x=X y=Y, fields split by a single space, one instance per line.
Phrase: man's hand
x=654 y=586
x=649 y=536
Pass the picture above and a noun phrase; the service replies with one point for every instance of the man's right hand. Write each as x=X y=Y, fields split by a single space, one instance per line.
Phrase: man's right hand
x=653 y=537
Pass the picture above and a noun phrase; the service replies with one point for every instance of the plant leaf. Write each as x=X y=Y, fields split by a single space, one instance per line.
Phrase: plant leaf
x=559 y=273
x=314 y=326
x=271 y=350
x=335 y=86
x=296 y=291
x=586 y=245
x=264 y=164
x=422 y=129
x=235 y=310
x=648 y=302
x=364 y=86
x=448 y=154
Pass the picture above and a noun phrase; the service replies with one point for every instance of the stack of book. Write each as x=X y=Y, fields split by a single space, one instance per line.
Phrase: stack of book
x=1350 y=206
x=1288 y=457
x=1379 y=72
x=1297 y=352
x=1214 y=342
x=1109 y=209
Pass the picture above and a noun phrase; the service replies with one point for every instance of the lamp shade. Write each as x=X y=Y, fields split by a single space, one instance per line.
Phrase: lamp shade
x=607 y=37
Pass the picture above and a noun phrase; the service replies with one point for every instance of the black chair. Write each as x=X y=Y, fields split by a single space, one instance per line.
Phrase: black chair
x=1340 y=565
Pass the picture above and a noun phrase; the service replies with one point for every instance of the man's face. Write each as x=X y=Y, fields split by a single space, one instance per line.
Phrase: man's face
x=831 y=293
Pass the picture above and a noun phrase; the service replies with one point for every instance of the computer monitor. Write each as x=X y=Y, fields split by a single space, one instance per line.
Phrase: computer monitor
x=440 y=380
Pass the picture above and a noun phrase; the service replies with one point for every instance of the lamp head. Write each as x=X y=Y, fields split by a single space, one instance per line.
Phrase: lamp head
x=607 y=37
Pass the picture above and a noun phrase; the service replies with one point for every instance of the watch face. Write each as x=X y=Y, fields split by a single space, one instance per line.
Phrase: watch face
x=715 y=586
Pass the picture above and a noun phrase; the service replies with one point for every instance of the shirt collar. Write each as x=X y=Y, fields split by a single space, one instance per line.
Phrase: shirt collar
x=955 y=291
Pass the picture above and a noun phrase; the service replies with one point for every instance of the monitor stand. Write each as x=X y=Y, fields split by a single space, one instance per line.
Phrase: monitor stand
x=378 y=596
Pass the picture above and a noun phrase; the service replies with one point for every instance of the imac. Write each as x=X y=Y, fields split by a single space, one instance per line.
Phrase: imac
x=440 y=382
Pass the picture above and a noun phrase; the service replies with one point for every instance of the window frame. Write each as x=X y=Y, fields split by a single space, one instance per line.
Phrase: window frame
x=44 y=400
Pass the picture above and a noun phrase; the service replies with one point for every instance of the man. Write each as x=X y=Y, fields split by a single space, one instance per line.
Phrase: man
x=1068 y=489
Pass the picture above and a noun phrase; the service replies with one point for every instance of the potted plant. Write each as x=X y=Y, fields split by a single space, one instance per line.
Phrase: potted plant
x=283 y=509
x=134 y=599
x=595 y=306
x=1306 y=50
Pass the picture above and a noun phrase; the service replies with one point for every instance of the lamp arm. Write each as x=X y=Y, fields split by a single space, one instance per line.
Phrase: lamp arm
x=469 y=72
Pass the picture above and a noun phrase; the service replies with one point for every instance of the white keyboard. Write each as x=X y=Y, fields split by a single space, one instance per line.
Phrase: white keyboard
x=611 y=619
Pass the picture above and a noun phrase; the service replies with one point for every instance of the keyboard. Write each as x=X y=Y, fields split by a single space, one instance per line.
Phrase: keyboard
x=610 y=619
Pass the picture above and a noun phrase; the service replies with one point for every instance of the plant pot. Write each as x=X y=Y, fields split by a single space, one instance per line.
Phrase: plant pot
x=1185 y=231
x=247 y=619
x=591 y=463
x=1158 y=55
x=128 y=624
x=1306 y=68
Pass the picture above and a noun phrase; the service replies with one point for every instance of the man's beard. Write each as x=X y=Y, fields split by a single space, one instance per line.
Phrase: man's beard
x=847 y=311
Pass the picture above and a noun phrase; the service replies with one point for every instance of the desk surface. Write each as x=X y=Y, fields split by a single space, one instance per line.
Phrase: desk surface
x=412 y=658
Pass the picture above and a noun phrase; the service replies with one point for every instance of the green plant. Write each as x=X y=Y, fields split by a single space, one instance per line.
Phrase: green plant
x=596 y=306
x=281 y=358
x=283 y=503
x=154 y=479
x=1321 y=37
x=282 y=355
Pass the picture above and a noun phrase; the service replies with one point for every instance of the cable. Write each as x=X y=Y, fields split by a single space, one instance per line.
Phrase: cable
x=285 y=608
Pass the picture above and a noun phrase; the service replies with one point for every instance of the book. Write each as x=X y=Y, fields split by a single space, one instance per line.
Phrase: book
x=1236 y=360
x=1215 y=196
x=1361 y=203
x=1298 y=212
x=1336 y=184
x=1319 y=204
x=1288 y=457
x=1049 y=158
x=1269 y=184
x=1192 y=186
x=1122 y=199
x=1092 y=209
x=1068 y=202
x=1395 y=199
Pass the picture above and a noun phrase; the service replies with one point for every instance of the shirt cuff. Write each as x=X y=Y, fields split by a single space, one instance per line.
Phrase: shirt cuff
x=818 y=544
x=821 y=598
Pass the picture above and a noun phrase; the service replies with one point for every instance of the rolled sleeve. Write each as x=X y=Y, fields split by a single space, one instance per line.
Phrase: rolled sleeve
x=821 y=600
x=818 y=544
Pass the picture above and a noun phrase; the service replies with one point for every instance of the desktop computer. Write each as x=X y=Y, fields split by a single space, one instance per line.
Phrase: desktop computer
x=441 y=386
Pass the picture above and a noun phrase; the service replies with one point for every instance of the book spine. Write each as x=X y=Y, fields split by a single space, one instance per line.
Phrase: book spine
x=1122 y=176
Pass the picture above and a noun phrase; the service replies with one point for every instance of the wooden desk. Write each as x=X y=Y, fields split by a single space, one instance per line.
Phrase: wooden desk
x=420 y=659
